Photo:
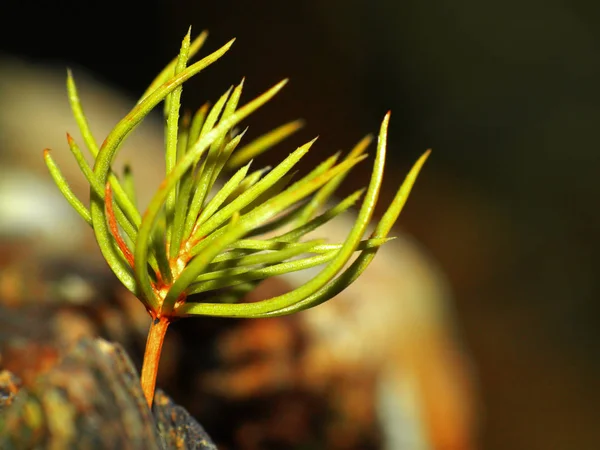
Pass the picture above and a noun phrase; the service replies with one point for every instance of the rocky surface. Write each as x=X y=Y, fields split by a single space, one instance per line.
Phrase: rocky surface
x=92 y=399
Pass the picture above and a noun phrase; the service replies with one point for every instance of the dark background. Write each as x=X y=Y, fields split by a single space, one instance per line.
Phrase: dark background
x=505 y=92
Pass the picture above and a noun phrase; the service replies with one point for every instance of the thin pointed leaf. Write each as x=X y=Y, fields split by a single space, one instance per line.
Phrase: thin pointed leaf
x=252 y=193
x=284 y=200
x=229 y=109
x=64 y=188
x=167 y=72
x=184 y=190
x=241 y=275
x=172 y=130
x=235 y=293
x=129 y=229
x=223 y=155
x=233 y=276
x=124 y=204
x=322 y=196
x=141 y=249
x=215 y=113
x=341 y=258
x=214 y=204
x=137 y=114
x=122 y=220
x=316 y=172
x=271 y=192
x=197 y=124
x=247 y=183
x=184 y=133
x=276 y=253
x=159 y=249
x=322 y=219
x=116 y=262
x=298 y=191
x=280 y=222
x=202 y=187
x=263 y=143
x=364 y=259
x=79 y=115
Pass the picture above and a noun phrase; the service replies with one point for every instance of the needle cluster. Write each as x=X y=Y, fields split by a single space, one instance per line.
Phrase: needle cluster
x=200 y=237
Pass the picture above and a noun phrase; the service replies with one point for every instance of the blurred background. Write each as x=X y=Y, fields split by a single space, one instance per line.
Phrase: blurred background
x=505 y=93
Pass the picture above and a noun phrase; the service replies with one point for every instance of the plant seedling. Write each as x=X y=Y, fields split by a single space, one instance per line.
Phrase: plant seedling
x=196 y=239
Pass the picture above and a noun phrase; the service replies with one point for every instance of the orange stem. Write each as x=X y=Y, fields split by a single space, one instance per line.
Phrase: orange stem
x=156 y=337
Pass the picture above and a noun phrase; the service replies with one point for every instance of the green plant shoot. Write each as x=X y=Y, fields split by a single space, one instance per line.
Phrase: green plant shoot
x=200 y=237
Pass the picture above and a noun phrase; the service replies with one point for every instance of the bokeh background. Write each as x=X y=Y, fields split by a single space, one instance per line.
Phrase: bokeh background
x=506 y=93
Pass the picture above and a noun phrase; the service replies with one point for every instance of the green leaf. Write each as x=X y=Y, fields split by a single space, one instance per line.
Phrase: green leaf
x=149 y=220
x=79 y=115
x=341 y=257
x=321 y=197
x=247 y=183
x=129 y=228
x=173 y=101
x=322 y=219
x=197 y=124
x=122 y=200
x=253 y=192
x=263 y=143
x=216 y=202
x=167 y=72
x=64 y=188
x=204 y=175
x=271 y=252
x=361 y=263
x=241 y=274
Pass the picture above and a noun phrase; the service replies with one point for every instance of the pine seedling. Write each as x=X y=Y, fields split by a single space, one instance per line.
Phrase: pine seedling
x=200 y=247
